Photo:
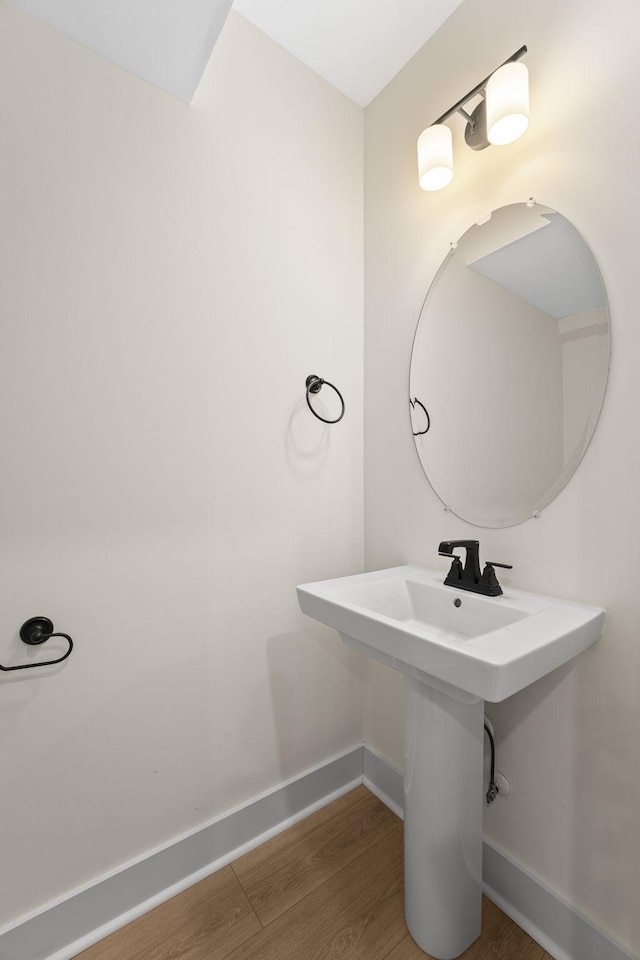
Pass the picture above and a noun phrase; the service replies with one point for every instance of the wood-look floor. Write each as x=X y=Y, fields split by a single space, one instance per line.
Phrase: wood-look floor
x=329 y=888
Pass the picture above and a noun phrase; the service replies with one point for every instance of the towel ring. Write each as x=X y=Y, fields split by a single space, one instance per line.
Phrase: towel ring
x=314 y=385
x=35 y=631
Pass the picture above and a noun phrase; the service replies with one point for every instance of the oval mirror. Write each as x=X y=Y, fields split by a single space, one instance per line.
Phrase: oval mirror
x=509 y=365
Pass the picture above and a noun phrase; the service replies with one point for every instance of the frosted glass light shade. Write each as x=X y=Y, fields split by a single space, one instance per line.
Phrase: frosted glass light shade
x=507 y=97
x=435 y=157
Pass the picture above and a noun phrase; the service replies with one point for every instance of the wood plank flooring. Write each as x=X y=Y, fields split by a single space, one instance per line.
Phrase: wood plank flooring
x=329 y=888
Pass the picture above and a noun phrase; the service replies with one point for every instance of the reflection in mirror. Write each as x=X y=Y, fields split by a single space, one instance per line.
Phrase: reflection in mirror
x=510 y=358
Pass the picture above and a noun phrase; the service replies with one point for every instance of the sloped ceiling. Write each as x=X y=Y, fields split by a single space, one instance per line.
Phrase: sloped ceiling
x=357 y=45
x=167 y=42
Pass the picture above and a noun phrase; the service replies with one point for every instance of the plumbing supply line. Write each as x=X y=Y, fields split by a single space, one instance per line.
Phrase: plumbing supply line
x=492 y=792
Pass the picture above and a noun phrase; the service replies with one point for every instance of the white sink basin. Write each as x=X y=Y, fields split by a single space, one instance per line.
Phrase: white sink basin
x=485 y=647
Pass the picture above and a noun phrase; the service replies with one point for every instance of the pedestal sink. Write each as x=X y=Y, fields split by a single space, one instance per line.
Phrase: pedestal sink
x=456 y=650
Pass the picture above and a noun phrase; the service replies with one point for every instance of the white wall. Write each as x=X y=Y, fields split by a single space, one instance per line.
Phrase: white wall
x=569 y=744
x=170 y=275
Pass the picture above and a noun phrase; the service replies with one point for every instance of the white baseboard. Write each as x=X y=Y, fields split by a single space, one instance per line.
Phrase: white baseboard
x=384 y=780
x=564 y=932
x=63 y=929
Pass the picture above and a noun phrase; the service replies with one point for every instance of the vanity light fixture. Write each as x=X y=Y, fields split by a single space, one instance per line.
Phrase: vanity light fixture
x=500 y=118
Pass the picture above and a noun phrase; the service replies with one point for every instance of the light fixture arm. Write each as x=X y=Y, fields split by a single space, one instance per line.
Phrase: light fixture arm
x=467 y=116
x=478 y=89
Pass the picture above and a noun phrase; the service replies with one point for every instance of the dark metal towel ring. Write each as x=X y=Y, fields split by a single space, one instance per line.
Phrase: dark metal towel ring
x=34 y=631
x=419 y=433
x=315 y=385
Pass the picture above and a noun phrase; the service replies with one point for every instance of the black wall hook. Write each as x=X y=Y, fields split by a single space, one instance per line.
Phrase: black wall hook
x=315 y=384
x=35 y=631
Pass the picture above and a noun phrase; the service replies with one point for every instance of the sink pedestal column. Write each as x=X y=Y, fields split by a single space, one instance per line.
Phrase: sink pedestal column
x=443 y=767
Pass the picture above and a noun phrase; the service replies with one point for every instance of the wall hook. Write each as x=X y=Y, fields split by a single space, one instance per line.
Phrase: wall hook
x=35 y=631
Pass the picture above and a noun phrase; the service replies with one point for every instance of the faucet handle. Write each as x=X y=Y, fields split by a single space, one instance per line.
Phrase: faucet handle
x=489 y=580
x=455 y=570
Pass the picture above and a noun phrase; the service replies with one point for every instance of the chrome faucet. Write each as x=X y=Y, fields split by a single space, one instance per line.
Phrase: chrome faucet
x=468 y=577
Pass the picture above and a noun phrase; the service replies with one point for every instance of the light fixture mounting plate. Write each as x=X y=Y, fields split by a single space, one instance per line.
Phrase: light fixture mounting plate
x=475 y=134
